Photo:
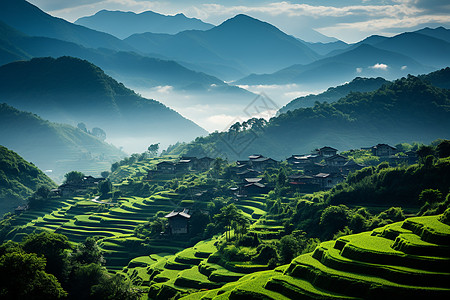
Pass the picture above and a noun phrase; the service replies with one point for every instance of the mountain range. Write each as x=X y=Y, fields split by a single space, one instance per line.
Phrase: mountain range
x=32 y=21
x=247 y=44
x=241 y=50
x=72 y=90
x=389 y=57
x=123 y=24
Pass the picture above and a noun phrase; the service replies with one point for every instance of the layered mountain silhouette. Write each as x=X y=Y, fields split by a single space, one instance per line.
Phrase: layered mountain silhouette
x=123 y=24
x=364 y=61
x=247 y=44
x=30 y=20
x=430 y=47
x=128 y=67
x=72 y=90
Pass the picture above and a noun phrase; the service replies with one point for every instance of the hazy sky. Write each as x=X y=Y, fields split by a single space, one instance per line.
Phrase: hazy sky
x=348 y=20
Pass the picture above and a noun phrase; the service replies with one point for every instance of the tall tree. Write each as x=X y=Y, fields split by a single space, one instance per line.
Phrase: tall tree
x=22 y=276
x=153 y=150
x=74 y=177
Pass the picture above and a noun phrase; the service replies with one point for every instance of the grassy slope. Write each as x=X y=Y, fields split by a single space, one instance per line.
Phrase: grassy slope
x=404 y=259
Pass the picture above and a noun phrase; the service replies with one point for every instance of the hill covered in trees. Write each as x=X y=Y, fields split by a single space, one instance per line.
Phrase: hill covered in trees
x=51 y=146
x=409 y=109
x=18 y=180
x=72 y=90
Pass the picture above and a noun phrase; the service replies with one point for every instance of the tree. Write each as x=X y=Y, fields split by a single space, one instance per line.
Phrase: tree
x=424 y=151
x=52 y=246
x=230 y=217
x=82 y=127
x=289 y=248
x=88 y=252
x=334 y=218
x=217 y=167
x=83 y=278
x=153 y=150
x=443 y=149
x=105 y=187
x=115 y=166
x=74 y=177
x=115 y=287
x=98 y=132
x=42 y=192
x=22 y=276
x=105 y=174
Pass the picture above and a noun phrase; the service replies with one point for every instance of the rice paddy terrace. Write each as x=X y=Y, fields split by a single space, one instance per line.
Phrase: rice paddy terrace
x=196 y=268
x=401 y=260
x=114 y=224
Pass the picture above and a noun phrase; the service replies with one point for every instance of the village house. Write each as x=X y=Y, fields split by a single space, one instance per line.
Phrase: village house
x=248 y=173
x=299 y=161
x=90 y=181
x=336 y=160
x=327 y=181
x=178 y=221
x=302 y=180
x=253 y=180
x=327 y=151
x=254 y=188
x=383 y=150
x=263 y=163
x=166 y=167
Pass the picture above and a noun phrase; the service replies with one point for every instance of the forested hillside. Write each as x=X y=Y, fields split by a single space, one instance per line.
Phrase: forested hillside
x=410 y=110
x=72 y=90
x=53 y=147
x=18 y=180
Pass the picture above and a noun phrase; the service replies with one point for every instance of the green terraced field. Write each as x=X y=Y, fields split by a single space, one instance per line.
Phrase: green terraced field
x=399 y=261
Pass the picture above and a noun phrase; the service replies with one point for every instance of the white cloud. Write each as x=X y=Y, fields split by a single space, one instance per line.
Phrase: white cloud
x=404 y=67
x=164 y=89
x=379 y=66
x=359 y=70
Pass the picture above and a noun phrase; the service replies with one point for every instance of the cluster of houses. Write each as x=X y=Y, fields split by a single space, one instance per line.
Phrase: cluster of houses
x=248 y=171
x=185 y=164
x=324 y=168
x=71 y=188
x=320 y=170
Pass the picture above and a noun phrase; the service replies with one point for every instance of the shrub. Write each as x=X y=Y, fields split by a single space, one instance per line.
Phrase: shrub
x=265 y=253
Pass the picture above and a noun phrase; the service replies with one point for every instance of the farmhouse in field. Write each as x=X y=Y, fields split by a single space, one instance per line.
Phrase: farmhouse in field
x=178 y=221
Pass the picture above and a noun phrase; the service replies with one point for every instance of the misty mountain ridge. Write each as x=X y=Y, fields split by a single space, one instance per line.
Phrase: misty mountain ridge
x=127 y=67
x=363 y=61
x=247 y=43
x=440 y=79
x=71 y=90
x=123 y=24
x=30 y=20
x=52 y=146
x=333 y=94
x=407 y=110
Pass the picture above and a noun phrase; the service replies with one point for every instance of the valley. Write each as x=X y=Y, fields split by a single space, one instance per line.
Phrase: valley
x=224 y=150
